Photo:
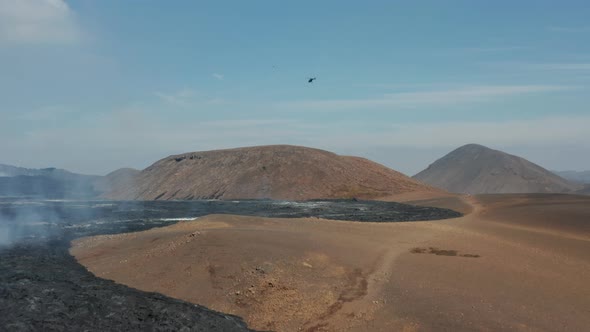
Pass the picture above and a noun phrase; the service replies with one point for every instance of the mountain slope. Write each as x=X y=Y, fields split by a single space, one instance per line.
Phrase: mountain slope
x=117 y=180
x=476 y=169
x=277 y=172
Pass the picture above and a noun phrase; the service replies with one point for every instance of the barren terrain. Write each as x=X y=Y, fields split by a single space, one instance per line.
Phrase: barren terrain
x=42 y=287
x=273 y=171
x=514 y=262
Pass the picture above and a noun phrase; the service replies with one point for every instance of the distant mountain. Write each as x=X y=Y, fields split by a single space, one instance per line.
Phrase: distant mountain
x=46 y=183
x=476 y=169
x=277 y=172
x=8 y=170
x=575 y=176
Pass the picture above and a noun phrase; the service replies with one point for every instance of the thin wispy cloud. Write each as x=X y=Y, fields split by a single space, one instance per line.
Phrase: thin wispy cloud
x=46 y=113
x=406 y=86
x=130 y=132
x=144 y=133
x=182 y=97
x=246 y=123
x=88 y=63
x=548 y=131
x=491 y=49
x=560 y=66
x=37 y=21
x=189 y=98
x=569 y=29
x=548 y=135
x=469 y=94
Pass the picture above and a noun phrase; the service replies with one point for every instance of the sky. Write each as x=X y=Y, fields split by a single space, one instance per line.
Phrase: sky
x=92 y=86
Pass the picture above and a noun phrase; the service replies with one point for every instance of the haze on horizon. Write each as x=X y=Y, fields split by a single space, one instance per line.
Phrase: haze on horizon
x=92 y=86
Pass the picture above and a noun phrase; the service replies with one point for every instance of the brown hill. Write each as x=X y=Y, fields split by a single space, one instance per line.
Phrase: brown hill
x=476 y=169
x=277 y=172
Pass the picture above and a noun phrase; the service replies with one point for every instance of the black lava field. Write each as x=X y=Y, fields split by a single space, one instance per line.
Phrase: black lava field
x=43 y=288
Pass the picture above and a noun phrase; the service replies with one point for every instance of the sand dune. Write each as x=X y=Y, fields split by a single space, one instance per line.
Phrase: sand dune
x=515 y=262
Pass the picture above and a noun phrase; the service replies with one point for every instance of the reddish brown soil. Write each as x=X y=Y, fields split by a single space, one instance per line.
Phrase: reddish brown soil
x=516 y=262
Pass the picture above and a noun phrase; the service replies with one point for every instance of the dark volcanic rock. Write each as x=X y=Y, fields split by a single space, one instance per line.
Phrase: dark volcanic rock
x=44 y=289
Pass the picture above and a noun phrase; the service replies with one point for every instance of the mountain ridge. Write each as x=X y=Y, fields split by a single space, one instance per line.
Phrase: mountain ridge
x=48 y=182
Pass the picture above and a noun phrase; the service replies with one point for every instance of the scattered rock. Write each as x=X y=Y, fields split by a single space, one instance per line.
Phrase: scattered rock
x=441 y=252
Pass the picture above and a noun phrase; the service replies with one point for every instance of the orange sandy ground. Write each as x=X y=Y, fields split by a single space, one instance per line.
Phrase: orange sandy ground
x=514 y=262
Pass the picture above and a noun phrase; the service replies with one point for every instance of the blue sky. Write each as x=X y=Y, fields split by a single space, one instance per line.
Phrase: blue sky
x=92 y=86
